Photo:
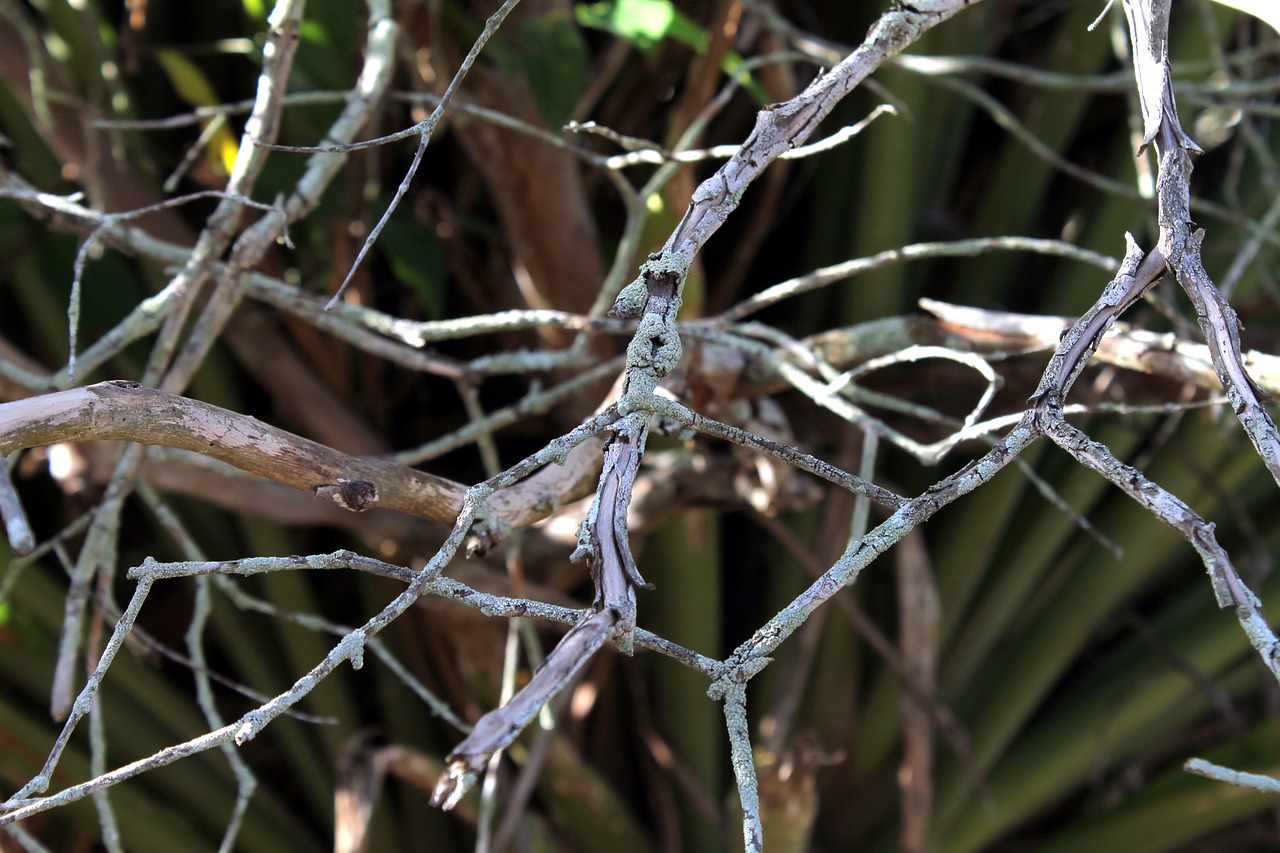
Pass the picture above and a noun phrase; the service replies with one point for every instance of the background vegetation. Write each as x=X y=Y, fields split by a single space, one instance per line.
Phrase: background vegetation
x=1069 y=643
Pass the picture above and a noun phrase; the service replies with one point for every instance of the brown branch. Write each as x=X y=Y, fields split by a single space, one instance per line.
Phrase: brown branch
x=129 y=411
x=499 y=728
x=919 y=612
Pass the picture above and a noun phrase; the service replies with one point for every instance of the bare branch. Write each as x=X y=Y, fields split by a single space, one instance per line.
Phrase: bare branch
x=17 y=528
x=1209 y=770
x=1148 y=27
x=128 y=411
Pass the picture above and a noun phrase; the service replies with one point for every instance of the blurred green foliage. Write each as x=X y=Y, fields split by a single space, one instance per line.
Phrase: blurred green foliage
x=1080 y=680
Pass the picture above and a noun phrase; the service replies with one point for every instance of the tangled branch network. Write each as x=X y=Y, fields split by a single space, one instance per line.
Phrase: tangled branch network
x=603 y=455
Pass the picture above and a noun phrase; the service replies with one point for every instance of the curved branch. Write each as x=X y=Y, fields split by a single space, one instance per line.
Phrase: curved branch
x=129 y=411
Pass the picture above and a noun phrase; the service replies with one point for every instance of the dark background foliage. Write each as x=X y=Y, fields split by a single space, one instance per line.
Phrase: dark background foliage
x=1078 y=680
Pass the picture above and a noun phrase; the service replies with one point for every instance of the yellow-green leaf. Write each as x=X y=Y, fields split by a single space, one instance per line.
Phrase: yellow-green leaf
x=193 y=87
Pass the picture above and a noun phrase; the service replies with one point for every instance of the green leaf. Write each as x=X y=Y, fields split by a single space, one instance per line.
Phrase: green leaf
x=314 y=32
x=194 y=87
x=417 y=262
x=556 y=63
x=644 y=23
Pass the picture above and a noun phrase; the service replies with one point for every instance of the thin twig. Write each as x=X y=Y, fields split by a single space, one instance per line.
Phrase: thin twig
x=16 y=527
x=1209 y=770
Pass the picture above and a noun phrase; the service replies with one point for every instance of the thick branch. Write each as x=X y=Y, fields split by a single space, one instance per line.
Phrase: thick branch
x=1156 y=354
x=128 y=411
x=498 y=729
